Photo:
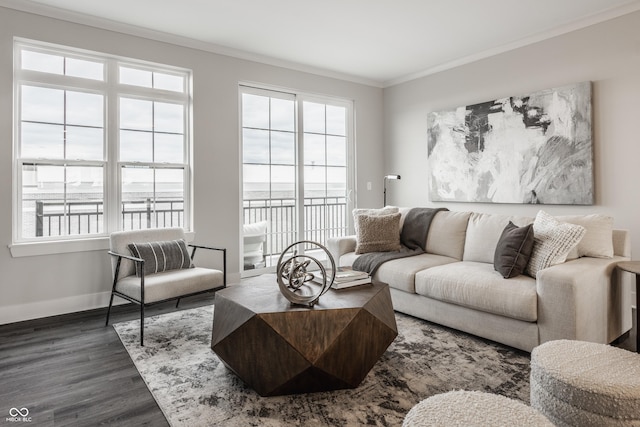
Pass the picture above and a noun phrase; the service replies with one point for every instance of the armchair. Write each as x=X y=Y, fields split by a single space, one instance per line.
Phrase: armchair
x=161 y=271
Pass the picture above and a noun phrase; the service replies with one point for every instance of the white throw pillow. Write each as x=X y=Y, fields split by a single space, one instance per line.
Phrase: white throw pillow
x=254 y=236
x=598 y=240
x=552 y=241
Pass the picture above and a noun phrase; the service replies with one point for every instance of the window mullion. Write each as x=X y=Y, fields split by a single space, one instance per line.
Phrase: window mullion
x=113 y=194
x=299 y=146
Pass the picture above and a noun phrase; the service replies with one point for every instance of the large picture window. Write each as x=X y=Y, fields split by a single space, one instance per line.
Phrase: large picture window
x=101 y=144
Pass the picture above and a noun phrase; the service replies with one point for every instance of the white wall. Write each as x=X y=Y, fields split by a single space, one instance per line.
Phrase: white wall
x=44 y=285
x=608 y=54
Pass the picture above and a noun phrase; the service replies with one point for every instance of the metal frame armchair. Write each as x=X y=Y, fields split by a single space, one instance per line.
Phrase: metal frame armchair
x=149 y=289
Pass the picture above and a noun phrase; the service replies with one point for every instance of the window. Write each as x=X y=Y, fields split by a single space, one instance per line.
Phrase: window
x=297 y=170
x=101 y=144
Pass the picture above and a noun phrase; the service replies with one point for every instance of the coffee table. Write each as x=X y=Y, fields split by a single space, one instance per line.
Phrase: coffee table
x=278 y=348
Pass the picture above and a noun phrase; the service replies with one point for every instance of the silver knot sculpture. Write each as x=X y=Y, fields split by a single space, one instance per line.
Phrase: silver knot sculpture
x=294 y=270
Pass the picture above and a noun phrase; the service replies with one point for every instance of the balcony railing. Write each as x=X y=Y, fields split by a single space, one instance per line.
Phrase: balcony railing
x=86 y=217
x=324 y=217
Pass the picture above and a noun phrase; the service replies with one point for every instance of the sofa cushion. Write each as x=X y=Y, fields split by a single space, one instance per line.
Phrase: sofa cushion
x=378 y=233
x=400 y=273
x=447 y=234
x=598 y=239
x=347 y=259
x=513 y=250
x=478 y=286
x=553 y=240
x=483 y=233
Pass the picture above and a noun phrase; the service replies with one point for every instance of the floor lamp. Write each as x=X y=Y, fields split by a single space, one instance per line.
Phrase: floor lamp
x=385 y=187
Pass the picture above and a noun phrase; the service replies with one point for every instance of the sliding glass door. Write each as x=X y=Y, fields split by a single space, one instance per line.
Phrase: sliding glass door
x=297 y=172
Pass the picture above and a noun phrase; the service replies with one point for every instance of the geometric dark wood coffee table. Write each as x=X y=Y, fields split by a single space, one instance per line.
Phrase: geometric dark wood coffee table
x=278 y=348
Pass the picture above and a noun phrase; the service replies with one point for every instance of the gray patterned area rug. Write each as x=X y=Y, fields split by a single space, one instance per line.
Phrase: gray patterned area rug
x=194 y=388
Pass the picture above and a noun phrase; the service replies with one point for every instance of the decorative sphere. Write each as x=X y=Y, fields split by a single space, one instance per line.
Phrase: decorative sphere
x=294 y=270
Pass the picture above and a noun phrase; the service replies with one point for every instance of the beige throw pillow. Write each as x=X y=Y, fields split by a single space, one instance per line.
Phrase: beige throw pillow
x=387 y=210
x=552 y=241
x=597 y=241
x=377 y=233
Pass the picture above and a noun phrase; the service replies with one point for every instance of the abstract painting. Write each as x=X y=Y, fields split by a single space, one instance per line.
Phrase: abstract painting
x=532 y=149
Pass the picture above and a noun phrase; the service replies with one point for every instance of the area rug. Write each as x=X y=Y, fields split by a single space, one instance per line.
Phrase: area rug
x=194 y=388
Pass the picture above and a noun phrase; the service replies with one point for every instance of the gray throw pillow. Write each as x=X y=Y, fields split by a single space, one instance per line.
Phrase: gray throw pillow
x=161 y=256
x=513 y=250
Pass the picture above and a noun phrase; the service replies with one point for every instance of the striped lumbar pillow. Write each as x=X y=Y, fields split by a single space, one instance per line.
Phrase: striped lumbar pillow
x=161 y=256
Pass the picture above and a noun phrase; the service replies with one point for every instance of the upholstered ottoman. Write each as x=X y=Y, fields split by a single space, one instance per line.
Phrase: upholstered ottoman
x=472 y=408
x=577 y=383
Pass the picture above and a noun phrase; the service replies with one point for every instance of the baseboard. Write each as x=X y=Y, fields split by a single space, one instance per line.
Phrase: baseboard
x=39 y=309
x=55 y=307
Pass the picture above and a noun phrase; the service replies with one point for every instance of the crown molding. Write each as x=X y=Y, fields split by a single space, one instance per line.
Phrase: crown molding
x=133 y=30
x=579 y=24
x=29 y=6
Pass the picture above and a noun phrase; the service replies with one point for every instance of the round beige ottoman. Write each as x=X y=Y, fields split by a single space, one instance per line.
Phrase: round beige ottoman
x=577 y=383
x=472 y=408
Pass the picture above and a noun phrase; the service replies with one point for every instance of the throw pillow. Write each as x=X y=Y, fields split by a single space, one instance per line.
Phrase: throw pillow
x=552 y=241
x=161 y=256
x=513 y=250
x=597 y=241
x=387 y=210
x=254 y=235
x=377 y=233
x=483 y=233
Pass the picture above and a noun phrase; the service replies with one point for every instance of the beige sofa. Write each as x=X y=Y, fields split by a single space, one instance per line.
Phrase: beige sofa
x=454 y=284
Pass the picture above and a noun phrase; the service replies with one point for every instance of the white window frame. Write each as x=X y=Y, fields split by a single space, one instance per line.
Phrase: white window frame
x=351 y=145
x=112 y=91
x=299 y=97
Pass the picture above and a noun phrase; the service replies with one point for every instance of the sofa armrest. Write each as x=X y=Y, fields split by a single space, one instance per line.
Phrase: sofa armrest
x=583 y=299
x=339 y=246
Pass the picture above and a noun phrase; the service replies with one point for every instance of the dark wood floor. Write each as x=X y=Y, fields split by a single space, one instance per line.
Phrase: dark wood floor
x=72 y=371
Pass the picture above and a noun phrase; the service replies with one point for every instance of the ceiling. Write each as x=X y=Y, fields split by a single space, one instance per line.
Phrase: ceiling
x=377 y=42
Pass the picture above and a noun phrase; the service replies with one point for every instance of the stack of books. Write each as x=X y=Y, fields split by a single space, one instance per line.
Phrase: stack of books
x=347 y=277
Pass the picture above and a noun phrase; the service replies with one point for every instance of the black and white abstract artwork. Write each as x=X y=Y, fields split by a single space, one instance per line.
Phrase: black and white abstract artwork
x=531 y=149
